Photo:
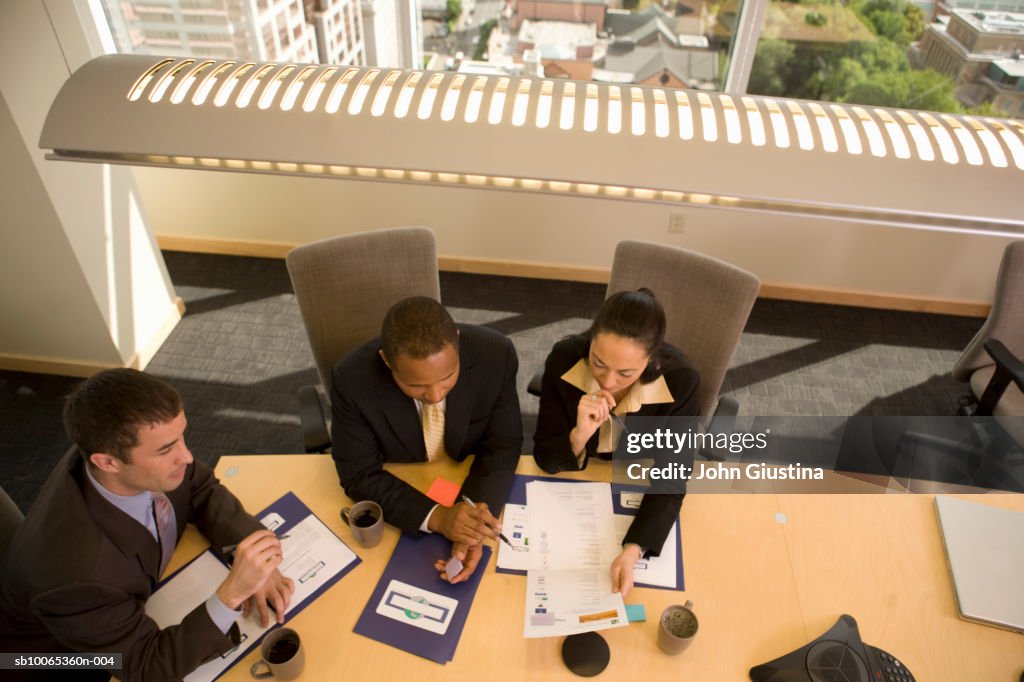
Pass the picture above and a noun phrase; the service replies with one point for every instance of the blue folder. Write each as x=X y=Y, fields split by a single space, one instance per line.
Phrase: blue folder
x=413 y=563
x=292 y=510
x=517 y=495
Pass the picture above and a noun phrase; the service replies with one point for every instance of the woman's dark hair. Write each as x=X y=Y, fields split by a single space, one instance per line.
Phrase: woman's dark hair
x=635 y=315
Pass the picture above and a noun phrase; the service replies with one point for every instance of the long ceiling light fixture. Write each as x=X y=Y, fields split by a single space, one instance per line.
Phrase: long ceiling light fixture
x=630 y=142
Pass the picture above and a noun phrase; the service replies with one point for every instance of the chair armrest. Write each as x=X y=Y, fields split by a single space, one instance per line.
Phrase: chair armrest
x=533 y=388
x=1008 y=368
x=315 y=437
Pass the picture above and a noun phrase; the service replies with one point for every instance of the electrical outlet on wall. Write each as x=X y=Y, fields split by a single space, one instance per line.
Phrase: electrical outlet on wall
x=676 y=223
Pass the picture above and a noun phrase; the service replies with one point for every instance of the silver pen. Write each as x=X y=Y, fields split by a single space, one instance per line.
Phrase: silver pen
x=500 y=534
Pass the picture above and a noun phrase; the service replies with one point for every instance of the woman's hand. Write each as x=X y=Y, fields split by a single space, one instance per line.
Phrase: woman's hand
x=592 y=411
x=622 y=569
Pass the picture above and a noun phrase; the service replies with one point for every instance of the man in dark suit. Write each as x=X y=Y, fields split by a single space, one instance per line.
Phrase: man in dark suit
x=102 y=530
x=429 y=388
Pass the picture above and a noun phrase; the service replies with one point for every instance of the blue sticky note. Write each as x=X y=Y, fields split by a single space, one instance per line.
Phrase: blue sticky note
x=635 y=613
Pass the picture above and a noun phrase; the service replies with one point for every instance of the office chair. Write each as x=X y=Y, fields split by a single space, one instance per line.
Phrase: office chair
x=10 y=519
x=707 y=303
x=344 y=286
x=991 y=363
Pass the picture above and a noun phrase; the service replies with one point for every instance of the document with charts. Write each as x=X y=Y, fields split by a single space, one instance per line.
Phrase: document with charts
x=656 y=571
x=568 y=584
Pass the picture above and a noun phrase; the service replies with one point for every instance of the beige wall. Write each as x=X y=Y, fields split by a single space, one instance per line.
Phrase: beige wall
x=534 y=228
x=84 y=284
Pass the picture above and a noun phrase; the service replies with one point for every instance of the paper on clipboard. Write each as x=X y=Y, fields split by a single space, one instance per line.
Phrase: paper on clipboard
x=314 y=558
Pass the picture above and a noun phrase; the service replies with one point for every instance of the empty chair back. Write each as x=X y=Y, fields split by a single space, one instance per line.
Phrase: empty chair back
x=345 y=285
x=707 y=303
x=1006 y=319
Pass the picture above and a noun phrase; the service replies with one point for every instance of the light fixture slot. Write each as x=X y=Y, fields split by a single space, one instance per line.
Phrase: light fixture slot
x=209 y=82
x=273 y=86
x=165 y=81
x=146 y=78
x=496 y=110
x=405 y=94
x=312 y=99
x=827 y=132
x=338 y=91
x=251 y=83
x=780 y=131
x=291 y=93
x=804 y=137
x=229 y=84
x=188 y=80
x=387 y=87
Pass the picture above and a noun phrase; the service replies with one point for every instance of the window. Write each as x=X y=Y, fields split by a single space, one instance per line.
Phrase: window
x=887 y=53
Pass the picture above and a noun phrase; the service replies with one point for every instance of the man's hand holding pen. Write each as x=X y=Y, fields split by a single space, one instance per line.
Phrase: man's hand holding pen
x=254 y=574
x=465 y=523
x=475 y=524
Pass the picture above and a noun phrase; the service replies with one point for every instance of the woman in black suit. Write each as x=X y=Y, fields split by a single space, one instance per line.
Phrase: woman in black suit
x=620 y=366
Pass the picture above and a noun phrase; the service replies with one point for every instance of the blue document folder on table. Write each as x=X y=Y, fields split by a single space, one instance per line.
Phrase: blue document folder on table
x=517 y=496
x=412 y=608
x=315 y=559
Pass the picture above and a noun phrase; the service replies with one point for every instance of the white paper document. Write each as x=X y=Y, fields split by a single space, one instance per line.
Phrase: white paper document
x=312 y=555
x=659 y=571
x=417 y=607
x=572 y=545
x=656 y=570
x=571 y=525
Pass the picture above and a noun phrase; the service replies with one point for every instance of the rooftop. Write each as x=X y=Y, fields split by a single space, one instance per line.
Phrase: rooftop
x=1010 y=23
x=692 y=66
x=557 y=39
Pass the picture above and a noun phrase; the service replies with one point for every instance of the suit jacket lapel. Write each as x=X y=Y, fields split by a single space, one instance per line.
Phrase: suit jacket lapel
x=127 y=534
x=400 y=411
x=459 y=405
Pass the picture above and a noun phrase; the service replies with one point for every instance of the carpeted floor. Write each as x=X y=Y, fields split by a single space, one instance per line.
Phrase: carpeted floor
x=240 y=353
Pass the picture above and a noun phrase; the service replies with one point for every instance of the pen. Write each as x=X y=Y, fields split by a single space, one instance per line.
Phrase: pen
x=500 y=534
x=229 y=549
x=618 y=420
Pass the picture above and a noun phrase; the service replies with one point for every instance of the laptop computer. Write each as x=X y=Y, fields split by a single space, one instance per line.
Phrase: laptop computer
x=985 y=552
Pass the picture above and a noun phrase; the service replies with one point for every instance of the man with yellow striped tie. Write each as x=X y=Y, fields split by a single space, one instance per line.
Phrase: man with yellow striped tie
x=429 y=388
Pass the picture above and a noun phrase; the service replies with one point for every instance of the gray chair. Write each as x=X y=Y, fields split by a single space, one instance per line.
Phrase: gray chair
x=707 y=303
x=344 y=286
x=991 y=363
x=10 y=519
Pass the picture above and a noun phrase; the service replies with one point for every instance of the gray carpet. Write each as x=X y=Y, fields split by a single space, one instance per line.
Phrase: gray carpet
x=240 y=353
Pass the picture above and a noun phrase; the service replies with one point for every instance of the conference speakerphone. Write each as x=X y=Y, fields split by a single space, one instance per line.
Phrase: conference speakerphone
x=839 y=655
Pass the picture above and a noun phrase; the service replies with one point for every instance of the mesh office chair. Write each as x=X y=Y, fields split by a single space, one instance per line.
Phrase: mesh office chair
x=991 y=363
x=707 y=303
x=344 y=286
x=10 y=519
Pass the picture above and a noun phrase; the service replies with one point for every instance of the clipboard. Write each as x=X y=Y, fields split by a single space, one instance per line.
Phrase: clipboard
x=281 y=516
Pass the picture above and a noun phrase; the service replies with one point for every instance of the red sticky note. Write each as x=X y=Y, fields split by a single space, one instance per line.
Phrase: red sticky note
x=443 y=492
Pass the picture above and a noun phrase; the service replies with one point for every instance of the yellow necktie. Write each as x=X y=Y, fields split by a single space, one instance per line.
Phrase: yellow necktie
x=432 y=418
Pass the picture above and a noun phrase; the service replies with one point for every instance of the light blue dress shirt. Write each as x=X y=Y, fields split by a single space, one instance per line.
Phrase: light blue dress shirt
x=140 y=508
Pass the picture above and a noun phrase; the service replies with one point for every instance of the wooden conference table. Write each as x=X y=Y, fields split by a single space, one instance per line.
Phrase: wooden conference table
x=767 y=573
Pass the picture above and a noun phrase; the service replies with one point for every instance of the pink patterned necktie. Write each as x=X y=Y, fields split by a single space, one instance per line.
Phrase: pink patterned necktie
x=166 y=528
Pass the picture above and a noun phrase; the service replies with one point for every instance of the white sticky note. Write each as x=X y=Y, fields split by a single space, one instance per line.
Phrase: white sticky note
x=417 y=607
